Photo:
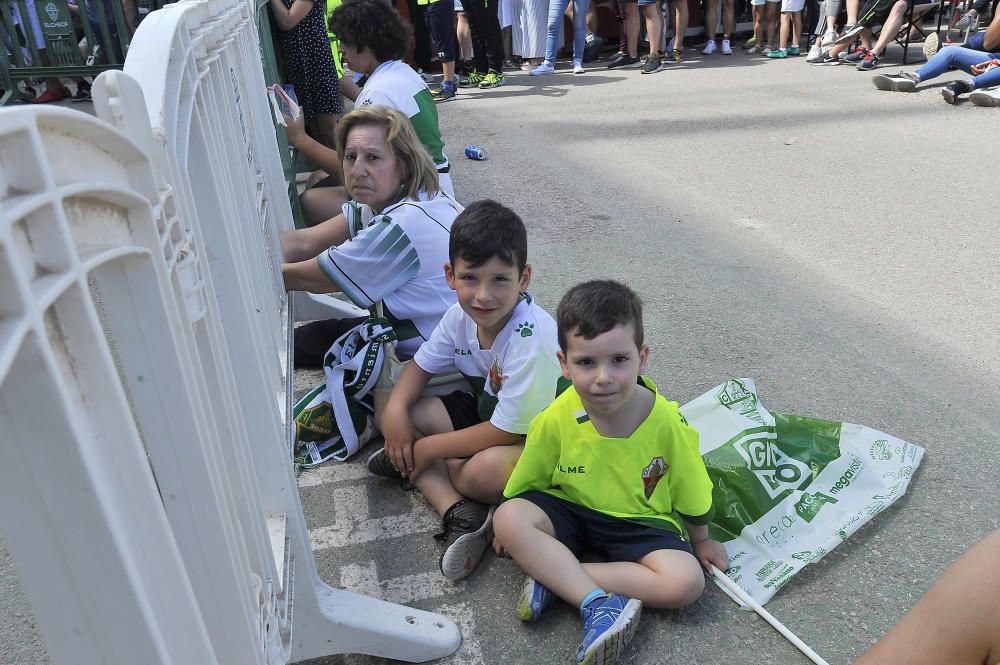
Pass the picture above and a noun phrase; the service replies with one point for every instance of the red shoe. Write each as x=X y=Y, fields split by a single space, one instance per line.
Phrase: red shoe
x=50 y=96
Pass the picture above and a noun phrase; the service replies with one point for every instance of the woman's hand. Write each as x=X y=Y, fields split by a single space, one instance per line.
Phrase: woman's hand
x=981 y=67
x=295 y=130
x=711 y=552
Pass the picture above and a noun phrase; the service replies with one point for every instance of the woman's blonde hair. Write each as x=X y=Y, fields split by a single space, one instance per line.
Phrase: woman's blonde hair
x=416 y=167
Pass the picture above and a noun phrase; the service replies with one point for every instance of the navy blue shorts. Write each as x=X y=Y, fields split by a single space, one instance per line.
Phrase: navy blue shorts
x=584 y=530
x=440 y=19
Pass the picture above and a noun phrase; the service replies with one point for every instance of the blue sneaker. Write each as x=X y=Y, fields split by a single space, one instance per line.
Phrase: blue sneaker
x=534 y=600
x=609 y=624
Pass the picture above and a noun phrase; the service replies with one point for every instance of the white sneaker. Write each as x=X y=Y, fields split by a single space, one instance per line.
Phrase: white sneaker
x=578 y=67
x=726 y=48
x=542 y=69
x=829 y=37
x=814 y=53
x=710 y=48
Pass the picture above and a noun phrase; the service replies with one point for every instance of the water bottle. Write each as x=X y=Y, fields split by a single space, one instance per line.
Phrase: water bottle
x=472 y=152
x=290 y=91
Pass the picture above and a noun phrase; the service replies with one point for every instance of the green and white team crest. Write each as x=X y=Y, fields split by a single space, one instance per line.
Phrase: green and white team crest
x=735 y=395
x=776 y=471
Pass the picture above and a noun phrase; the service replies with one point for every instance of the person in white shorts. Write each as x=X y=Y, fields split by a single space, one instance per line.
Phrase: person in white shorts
x=791 y=20
x=765 y=18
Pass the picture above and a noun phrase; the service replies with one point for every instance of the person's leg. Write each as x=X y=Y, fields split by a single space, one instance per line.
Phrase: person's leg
x=632 y=28
x=853 y=8
x=430 y=416
x=492 y=36
x=464 y=36
x=654 y=27
x=956 y=622
x=711 y=20
x=987 y=80
x=663 y=578
x=472 y=16
x=949 y=57
x=484 y=475
x=581 y=9
x=421 y=34
x=728 y=18
x=557 y=8
x=680 y=23
x=796 y=28
x=440 y=20
x=758 y=23
x=771 y=11
x=622 y=17
x=529 y=537
x=321 y=203
x=783 y=32
x=890 y=27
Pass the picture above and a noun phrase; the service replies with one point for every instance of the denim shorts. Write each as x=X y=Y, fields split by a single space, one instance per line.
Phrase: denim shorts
x=582 y=530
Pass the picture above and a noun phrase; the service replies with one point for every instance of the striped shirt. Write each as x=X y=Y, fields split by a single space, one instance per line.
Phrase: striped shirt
x=397 y=257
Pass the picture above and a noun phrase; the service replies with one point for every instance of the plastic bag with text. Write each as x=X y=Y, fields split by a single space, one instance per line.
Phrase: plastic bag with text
x=789 y=489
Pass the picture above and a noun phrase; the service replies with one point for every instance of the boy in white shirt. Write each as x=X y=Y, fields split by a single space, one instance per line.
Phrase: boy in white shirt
x=459 y=449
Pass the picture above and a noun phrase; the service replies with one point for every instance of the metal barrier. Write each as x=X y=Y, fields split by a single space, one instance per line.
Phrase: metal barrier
x=145 y=369
x=42 y=38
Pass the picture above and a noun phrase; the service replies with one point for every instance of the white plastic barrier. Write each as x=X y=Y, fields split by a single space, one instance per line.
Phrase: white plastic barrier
x=145 y=476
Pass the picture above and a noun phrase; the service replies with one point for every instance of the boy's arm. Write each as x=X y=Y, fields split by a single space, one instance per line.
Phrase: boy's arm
x=321 y=155
x=706 y=549
x=460 y=443
x=395 y=422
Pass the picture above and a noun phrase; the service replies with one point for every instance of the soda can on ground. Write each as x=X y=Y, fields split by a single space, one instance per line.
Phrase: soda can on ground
x=472 y=152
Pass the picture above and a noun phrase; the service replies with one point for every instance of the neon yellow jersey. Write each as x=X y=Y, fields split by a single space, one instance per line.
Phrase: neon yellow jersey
x=654 y=477
x=334 y=43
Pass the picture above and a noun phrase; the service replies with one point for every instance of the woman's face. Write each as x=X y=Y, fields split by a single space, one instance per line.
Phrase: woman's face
x=371 y=171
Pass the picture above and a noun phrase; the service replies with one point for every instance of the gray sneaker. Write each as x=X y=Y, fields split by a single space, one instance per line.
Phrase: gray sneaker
x=468 y=531
x=986 y=97
x=901 y=82
x=652 y=64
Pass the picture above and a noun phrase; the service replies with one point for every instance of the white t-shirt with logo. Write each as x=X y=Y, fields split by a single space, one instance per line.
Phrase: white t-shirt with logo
x=514 y=380
x=397 y=257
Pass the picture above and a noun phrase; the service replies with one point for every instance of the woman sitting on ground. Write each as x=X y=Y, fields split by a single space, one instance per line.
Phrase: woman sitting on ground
x=391 y=245
x=373 y=40
x=980 y=58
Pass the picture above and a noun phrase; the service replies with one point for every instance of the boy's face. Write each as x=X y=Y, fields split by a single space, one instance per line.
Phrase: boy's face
x=604 y=369
x=487 y=293
x=360 y=60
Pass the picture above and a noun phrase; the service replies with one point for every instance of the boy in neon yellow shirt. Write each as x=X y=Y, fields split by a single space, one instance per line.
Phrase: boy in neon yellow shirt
x=609 y=467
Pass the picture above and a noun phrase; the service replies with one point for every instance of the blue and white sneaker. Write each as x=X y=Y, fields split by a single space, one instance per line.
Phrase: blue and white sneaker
x=534 y=600
x=609 y=624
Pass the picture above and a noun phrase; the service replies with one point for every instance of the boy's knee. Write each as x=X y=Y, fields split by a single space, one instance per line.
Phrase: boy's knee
x=680 y=589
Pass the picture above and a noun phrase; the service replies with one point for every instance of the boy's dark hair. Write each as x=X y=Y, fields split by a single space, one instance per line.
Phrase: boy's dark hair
x=372 y=25
x=593 y=308
x=486 y=229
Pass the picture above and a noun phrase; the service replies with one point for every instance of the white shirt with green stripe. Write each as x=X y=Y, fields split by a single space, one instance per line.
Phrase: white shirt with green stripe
x=654 y=477
x=397 y=257
x=512 y=381
x=395 y=84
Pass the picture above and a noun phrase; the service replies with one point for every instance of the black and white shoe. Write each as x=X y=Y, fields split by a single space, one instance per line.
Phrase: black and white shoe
x=953 y=90
x=468 y=531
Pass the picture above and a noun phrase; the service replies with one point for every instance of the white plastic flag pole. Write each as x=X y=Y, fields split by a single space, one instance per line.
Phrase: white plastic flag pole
x=734 y=591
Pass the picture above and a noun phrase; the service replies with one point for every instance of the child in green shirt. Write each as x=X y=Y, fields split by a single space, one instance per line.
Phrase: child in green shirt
x=609 y=467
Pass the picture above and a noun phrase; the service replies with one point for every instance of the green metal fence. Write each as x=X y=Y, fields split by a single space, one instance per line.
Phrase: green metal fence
x=274 y=74
x=54 y=38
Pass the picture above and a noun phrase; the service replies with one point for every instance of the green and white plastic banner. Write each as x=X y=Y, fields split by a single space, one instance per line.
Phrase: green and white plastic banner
x=789 y=489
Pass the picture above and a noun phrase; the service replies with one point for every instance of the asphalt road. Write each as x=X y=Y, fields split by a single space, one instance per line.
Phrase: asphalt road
x=782 y=221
